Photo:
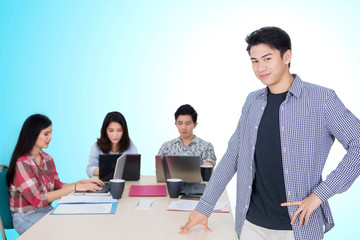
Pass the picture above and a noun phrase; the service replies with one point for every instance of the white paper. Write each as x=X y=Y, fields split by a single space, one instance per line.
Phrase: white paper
x=144 y=204
x=220 y=206
x=86 y=199
x=189 y=205
x=183 y=205
x=83 y=208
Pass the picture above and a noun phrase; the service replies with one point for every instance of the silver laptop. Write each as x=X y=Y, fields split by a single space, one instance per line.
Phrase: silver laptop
x=186 y=168
x=118 y=174
x=119 y=167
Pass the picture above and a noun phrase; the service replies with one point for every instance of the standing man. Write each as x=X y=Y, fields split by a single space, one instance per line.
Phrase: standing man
x=279 y=150
x=188 y=144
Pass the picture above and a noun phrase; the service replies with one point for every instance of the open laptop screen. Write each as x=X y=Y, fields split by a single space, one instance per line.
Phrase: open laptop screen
x=132 y=167
x=107 y=163
x=186 y=168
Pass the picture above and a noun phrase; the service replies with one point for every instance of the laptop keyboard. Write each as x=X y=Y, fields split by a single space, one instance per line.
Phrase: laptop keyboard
x=105 y=189
x=193 y=188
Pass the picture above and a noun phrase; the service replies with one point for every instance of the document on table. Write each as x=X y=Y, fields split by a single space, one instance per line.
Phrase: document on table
x=144 y=204
x=85 y=208
x=87 y=199
x=189 y=205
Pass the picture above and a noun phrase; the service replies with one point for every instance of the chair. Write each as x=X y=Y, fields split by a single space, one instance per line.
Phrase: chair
x=5 y=214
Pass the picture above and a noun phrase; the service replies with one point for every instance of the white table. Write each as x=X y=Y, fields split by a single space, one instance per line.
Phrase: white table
x=130 y=223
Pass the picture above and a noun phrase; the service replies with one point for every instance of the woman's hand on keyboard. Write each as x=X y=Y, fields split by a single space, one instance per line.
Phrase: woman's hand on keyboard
x=91 y=180
x=89 y=185
x=84 y=187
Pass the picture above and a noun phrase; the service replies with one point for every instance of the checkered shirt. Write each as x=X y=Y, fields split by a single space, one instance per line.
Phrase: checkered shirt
x=311 y=117
x=32 y=183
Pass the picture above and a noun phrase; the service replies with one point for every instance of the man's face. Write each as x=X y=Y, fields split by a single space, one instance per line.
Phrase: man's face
x=185 y=126
x=269 y=66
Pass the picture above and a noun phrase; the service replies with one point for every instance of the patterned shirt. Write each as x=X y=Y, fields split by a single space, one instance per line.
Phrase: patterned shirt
x=197 y=147
x=32 y=183
x=311 y=117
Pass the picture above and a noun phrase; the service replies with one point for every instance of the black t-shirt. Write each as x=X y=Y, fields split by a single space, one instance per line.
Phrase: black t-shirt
x=268 y=190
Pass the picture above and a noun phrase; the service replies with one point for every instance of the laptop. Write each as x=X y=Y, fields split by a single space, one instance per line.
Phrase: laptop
x=131 y=170
x=107 y=165
x=186 y=168
x=117 y=174
x=132 y=167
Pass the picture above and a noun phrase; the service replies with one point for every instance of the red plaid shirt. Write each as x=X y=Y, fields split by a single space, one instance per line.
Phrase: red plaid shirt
x=32 y=183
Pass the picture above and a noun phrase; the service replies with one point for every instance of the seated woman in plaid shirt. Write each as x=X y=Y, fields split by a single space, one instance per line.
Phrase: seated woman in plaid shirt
x=32 y=176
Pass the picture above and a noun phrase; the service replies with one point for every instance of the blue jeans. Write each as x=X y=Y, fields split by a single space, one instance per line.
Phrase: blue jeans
x=23 y=221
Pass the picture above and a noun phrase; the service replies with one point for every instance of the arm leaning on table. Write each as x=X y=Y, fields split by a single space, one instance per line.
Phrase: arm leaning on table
x=222 y=175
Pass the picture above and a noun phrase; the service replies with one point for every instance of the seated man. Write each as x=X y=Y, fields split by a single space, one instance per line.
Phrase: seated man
x=188 y=144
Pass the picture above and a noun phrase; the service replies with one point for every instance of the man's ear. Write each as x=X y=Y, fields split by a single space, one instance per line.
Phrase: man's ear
x=287 y=56
x=195 y=125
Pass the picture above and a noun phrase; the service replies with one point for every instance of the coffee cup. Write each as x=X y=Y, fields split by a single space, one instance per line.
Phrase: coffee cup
x=174 y=187
x=117 y=188
x=206 y=171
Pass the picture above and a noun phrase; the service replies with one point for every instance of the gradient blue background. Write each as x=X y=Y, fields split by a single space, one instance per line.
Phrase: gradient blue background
x=74 y=61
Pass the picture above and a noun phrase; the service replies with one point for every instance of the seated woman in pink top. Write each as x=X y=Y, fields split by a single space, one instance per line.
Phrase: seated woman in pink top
x=32 y=177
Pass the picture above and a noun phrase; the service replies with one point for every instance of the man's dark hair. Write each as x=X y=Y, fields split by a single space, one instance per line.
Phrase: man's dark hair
x=274 y=37
x=186 y=109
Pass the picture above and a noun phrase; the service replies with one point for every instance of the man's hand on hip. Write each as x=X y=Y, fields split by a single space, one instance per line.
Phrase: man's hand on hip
x=306 y=207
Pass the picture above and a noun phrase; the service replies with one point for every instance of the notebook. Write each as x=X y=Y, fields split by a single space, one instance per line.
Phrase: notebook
x=147 y=191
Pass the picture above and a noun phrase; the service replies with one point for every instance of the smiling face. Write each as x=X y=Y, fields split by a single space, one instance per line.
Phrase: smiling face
x=114 y=132
x=270 y=68
x=185 y=126
x=44 y=138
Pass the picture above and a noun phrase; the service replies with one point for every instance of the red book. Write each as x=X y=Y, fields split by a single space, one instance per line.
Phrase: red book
x=147 y=191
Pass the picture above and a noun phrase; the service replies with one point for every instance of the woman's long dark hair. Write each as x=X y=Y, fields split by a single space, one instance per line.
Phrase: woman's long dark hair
x=30 y=131
x=104 y=142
